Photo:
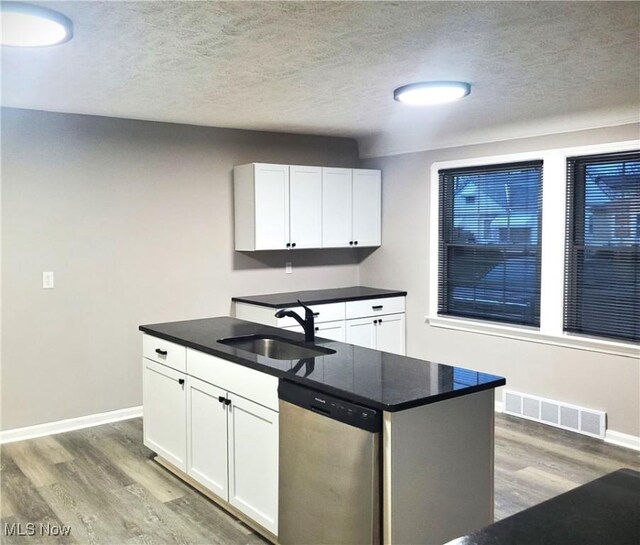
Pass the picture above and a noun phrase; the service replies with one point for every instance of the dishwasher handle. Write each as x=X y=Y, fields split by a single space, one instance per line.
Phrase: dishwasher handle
x=320 y=410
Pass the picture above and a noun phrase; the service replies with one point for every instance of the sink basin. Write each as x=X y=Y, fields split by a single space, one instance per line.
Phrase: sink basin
x=277 y=348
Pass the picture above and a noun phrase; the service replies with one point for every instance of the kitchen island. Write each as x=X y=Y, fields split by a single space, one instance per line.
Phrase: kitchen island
x=437 y=438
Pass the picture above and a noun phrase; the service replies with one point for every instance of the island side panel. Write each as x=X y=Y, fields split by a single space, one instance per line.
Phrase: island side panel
x=438 y=470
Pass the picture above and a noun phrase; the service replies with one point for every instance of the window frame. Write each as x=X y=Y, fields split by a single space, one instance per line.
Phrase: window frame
x=554 y=190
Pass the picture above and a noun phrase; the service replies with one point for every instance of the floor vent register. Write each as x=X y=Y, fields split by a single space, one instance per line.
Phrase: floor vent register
x=555 y=413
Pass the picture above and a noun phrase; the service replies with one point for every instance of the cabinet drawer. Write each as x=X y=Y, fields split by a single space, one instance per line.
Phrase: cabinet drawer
x=254 y=385
x=374 y=307
x=170 y=354
x=329 y=312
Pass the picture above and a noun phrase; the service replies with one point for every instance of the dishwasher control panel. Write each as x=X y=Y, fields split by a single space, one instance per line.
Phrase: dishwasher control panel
x=331 y=406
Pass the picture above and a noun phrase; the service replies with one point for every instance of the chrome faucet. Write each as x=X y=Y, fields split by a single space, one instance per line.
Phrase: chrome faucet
x=307 y=324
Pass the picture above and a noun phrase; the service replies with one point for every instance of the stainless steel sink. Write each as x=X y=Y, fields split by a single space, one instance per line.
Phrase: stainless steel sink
x=277 y=348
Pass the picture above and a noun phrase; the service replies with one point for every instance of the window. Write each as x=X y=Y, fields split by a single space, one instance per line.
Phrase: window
x=489 y=242
x=602 y=269
x=471 y=290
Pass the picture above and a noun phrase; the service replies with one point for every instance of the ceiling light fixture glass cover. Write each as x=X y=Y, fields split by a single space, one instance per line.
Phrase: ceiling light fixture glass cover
x=25 y=25
x=431 y=92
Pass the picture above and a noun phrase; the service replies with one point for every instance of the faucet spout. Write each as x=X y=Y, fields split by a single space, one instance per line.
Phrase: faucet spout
x=308 y=323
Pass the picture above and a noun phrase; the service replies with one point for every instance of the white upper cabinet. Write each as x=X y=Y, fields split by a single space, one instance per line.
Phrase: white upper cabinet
x=336 y=207
x=305 y=207
x=261 y=206
x=351 y=207
x=367 y=187
x=272 y=194
x=280 y=207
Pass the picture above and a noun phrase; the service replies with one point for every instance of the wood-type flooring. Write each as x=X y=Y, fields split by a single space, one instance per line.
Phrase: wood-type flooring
x=103 y=485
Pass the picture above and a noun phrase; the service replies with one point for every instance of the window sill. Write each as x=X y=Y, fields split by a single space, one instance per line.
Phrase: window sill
x=628 y=350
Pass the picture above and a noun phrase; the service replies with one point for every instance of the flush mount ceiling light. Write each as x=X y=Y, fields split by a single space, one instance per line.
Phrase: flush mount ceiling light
x=25 y=25
x=431 y=92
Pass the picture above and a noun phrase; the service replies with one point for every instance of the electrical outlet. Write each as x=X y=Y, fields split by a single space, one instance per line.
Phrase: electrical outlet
x=47 y=280
x=288 y=269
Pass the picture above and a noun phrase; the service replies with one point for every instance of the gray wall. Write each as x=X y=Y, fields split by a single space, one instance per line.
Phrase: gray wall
x=594 y=380
x=135 y=219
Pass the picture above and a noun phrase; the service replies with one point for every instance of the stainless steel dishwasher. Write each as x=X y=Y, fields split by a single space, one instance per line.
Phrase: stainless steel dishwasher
x=329 y=491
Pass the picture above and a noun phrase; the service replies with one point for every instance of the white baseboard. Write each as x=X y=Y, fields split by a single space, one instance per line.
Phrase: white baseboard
x=70 y=424
x=622 y=439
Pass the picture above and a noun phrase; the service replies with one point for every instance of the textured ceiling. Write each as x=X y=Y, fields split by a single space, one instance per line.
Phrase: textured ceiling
x=331 y=67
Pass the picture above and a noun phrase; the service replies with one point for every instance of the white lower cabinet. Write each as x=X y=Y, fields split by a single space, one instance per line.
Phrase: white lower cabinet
x=361 y=332
x=207 y=436
x=377 y=323
x=164 y=410
x=253 y=461
x=390 y=333
x=232 y=449
x=384 y=333
x=222 y=440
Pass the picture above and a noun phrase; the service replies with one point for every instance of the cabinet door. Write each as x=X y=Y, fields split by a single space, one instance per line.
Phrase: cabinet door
x=271 y=206
x=336 y=207
x=367 y=210
x=305 y=207
x=207 y=436
x=390 y=333
x=361 y=332
x=253 y=461
x=165 y=412
x=331 y=330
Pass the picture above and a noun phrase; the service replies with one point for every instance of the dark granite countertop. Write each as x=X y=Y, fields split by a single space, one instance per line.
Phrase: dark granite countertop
x=318 y=297
x=378 y=380
x=603 y=512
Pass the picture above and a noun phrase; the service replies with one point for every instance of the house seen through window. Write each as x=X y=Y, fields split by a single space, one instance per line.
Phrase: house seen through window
x=489 y=242
x=602 y=289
